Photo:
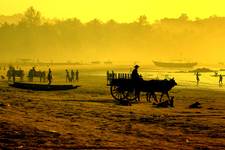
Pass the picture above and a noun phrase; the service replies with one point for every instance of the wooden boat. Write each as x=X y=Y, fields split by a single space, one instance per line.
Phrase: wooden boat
x=202 y=70
x=42 y=87
x=175 y=64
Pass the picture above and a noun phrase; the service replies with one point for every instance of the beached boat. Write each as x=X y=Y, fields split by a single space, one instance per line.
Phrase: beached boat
x=42 y=87
x=202 y=70
x=175 y=64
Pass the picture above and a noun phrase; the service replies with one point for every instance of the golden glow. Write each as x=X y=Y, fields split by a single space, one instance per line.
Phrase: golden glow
x=188 y=39
x=120 y=10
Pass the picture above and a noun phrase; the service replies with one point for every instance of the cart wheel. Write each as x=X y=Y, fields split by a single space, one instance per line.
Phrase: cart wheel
x=117 y=93
x=130 y=95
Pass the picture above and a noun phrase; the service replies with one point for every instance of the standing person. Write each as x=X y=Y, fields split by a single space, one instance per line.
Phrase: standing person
x=220 y=80
x=77 y=76
x=67 y=76
x=136 y=80
x=49 y=76
x=33 y=71
x=72 y=75
x=9 y=73
x=197 y=77
x=14 y=74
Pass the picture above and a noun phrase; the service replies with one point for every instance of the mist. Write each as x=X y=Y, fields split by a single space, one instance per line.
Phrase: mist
x=52 y=40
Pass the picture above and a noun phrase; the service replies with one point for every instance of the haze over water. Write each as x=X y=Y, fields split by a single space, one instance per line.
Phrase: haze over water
x=138 y=31
x=89 y=73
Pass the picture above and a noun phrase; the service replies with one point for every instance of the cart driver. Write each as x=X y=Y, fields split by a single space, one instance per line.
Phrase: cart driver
x=136 y=80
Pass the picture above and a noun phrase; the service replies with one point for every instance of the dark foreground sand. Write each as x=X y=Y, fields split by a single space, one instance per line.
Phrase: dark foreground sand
x=90 y=119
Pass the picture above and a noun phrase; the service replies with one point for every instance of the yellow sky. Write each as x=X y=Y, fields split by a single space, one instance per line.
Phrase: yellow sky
x=120 y=10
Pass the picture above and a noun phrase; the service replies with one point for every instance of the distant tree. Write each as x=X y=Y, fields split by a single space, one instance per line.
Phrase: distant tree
x=31 y=17
x=142 y=20
x=111 y=22
x=4 y=25
x=183 y=17
x=94 y=23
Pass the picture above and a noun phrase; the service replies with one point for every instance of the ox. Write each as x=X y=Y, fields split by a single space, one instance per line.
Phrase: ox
x=162 y=86
x=40 y=74
x=12 y=73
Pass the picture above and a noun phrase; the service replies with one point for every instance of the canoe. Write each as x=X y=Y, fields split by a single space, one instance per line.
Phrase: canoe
x=175 y=64
x=42 y=87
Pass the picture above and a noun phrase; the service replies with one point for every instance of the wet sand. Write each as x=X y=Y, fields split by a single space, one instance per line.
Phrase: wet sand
x=89 y=118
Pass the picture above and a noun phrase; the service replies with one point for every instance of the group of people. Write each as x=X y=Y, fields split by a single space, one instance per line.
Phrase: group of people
x=216 y=74
x=49 y=75
x=72 y=76
x=68 y=77
x=13 y=73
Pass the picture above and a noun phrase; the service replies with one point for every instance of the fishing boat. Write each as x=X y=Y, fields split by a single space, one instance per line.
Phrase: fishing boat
x=202 y=70
x=42 y=87
x=177 y=64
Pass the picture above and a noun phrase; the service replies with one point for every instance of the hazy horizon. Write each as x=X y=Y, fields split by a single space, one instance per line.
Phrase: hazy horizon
x=173 y=32
x=120 y=11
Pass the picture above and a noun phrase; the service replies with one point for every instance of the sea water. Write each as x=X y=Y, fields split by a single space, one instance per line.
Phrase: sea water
x=92 y=73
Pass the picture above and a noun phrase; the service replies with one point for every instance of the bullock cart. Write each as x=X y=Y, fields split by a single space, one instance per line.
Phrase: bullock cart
x=122 y=87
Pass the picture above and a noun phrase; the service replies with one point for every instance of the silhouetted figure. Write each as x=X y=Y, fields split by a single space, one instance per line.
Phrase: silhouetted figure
x=67 y=76
x=77 y=75
x=216 y=74
x=220 y=80
x=49 y=76
x=167 y=103
x=72 y=76
x=33 y=68
x=14 y=74
x=33 y=72
x=11 y=74
x=2 y=77
x=195 y=105
x=135 y=75
x=197 y=78
x=136 y=80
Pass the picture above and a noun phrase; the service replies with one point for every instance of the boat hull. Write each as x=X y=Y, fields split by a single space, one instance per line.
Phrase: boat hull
x=41 y=87
x=174 y=64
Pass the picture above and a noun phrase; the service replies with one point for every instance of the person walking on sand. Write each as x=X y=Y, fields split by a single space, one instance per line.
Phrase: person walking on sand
x=77 y=75
x=72 y=75
x=67 y=76
x=220 y=80
x=14 y=74
x=49 y=76
x=197 y=78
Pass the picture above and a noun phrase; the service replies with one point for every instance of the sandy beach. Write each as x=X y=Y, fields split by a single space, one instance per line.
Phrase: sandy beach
x=89 y=118
x=71 y=73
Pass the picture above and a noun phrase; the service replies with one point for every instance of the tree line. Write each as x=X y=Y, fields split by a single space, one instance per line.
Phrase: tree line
x=36 y=37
